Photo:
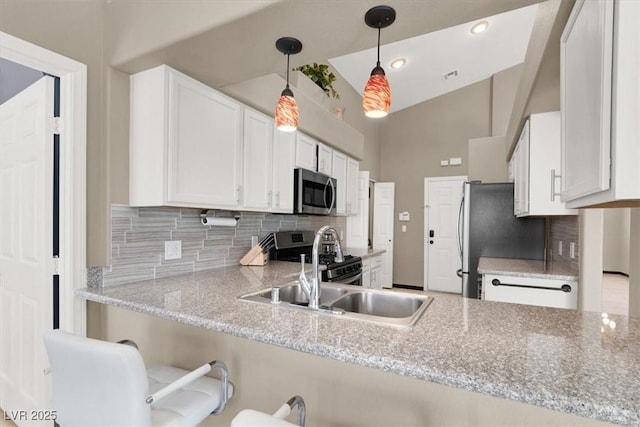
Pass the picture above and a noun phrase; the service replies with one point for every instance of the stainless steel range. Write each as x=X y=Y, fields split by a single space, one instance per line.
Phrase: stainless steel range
x=289 y=245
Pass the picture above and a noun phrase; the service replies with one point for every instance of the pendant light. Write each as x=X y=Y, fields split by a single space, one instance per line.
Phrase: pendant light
x=376 y=100
x=287 y=108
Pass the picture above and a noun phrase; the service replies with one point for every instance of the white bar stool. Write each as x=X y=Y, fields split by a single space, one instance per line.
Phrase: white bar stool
x=252 y=418
x=98 y=383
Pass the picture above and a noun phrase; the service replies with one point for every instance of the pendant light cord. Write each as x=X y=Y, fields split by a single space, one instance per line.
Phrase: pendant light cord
x=379 y=27
x=288 y=55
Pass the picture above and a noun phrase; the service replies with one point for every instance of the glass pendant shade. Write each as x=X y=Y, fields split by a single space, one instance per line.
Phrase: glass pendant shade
x=287 y=113
x=376 y=100
x=286 y=116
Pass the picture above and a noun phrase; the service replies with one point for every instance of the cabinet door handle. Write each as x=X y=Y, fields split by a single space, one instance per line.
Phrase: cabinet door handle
x=278 y=199
x=269 y=197
x=238 y=194
x=553 y=185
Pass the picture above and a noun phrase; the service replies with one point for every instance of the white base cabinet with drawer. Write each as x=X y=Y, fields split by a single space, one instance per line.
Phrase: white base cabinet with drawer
x=600 y=103
x=531 y=291
x=185 y=143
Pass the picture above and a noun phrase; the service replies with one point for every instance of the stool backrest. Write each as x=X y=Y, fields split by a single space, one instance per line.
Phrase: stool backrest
x=96 y=383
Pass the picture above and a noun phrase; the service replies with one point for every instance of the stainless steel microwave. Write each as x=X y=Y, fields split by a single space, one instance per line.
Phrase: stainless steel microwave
x=314 y=193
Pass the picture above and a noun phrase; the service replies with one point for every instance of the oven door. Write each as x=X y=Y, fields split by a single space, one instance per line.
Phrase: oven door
x=354 y=279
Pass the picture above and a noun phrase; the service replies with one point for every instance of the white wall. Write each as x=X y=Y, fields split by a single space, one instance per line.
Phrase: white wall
x=616 y=240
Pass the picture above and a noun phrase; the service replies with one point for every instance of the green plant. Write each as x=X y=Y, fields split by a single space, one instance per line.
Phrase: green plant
x=320 y=75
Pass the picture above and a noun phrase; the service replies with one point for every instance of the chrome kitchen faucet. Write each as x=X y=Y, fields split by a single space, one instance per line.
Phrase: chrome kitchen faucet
x=311 y=286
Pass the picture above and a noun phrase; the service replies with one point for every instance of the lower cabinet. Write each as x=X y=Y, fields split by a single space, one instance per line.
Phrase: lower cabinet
x=372 y=272
x=366 y=273
x=530 y=290
x=376 y=272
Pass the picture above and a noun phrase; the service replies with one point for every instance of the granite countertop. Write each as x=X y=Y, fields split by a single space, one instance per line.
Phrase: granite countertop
x=525 y=268
x=364 y=253
x=573 y=362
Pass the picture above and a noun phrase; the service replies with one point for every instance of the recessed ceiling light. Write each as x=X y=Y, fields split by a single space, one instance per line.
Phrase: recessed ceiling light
x=479 y=27
x=398 y=63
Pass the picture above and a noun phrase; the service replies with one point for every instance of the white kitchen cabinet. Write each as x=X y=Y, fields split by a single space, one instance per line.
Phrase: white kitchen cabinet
x=284 y=157
x=376 y=271
x=530 y=290
x=185 y=142
x=366 y=273
x=339 y=172
x=537 y=168
x=325 y=159
x=257 y=161
x=352 y=186
x=600 y=103
x=306 y=152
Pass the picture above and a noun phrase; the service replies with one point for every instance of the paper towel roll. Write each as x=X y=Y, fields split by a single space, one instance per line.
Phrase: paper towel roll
x=219 y=222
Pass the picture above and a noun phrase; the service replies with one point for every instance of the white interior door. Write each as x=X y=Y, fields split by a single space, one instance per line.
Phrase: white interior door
x=383 y=208
x=26 y=254
x=442 y=255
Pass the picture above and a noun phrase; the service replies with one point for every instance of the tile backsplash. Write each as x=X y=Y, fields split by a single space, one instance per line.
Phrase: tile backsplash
x=138 y=236
x=565 y=229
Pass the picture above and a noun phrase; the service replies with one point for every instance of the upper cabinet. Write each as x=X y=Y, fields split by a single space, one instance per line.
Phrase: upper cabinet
x=306 y=152
x=600 y=103
x=185 y=143
x=325 y=159
x=191 y=146
x=257 y=161
x=340 y=174
x=536 y=168
x=284 y=157
x=353 y=186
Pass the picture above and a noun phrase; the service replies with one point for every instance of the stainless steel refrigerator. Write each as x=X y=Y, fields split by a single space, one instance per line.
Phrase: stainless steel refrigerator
x=487 y=227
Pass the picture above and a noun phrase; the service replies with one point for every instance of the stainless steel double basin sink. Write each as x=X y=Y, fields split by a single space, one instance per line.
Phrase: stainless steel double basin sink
x=392 y=308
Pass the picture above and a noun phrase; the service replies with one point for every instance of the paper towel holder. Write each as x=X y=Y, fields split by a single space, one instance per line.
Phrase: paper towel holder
x=207 y=218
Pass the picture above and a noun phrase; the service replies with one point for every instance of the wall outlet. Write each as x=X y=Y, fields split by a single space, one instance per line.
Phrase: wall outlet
x=173 y=249
x=404 y=228
x=572 y=249
x=254 y=240
x=560 y=247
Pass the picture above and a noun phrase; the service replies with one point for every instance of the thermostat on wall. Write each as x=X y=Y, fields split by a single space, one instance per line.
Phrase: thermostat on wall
x=404 y=216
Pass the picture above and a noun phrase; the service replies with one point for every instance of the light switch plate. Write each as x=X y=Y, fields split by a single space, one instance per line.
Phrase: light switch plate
x=455 y=161
x=560 y=247
x=444 y=162
x=172 y=249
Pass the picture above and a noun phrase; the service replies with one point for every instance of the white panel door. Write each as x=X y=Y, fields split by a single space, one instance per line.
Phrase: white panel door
x=205 y=146
x=383 y=212
x=258 y=160
x=26 y=248
x=284 y=158
x=443 y=197
x=340 y=174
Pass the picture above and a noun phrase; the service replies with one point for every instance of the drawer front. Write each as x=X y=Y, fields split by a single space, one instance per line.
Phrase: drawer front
x=531 y=291
x=376 y=261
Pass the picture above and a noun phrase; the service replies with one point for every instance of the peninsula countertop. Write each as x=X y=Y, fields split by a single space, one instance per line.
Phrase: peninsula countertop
x=525 y=268
x=558 y=359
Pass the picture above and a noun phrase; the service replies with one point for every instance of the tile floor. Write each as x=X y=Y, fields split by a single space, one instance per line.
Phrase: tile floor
x=615 y=294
